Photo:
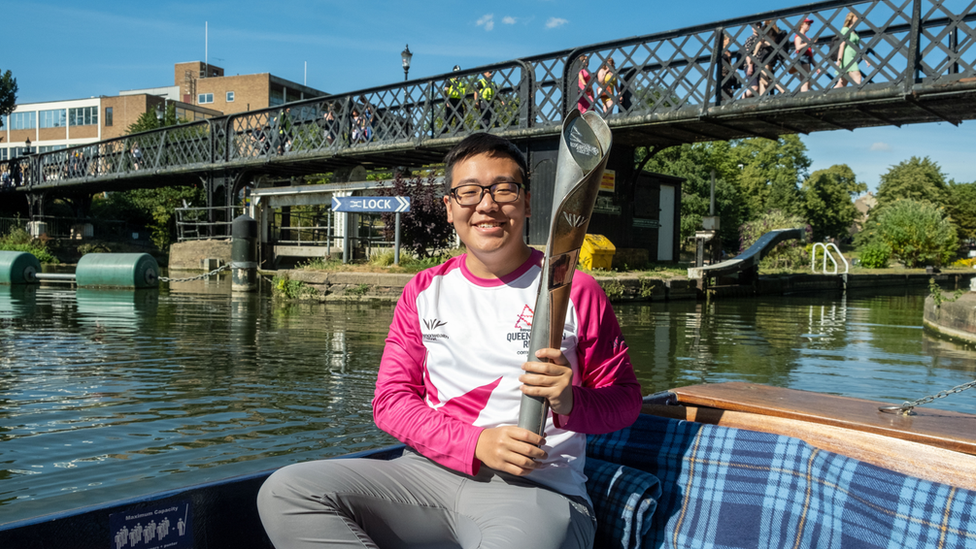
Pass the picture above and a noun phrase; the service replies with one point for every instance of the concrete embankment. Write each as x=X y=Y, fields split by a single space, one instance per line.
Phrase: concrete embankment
x=352 y=286
x=361 y=286
x=951 y=316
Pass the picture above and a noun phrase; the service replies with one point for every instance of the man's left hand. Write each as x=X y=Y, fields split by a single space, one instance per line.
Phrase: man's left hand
x=551 y=380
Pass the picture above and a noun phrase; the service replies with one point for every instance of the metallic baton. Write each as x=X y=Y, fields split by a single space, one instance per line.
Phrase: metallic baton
x=584 y=146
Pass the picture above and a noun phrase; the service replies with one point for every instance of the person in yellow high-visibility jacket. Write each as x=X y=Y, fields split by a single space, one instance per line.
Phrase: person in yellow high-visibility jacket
x=484 y=98
x=455 y=89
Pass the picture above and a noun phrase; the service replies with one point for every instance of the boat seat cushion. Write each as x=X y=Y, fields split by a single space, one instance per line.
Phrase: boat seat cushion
x=624 y=499
x=728 y=488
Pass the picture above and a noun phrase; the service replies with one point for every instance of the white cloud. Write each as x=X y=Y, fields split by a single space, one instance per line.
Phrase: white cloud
x=509 y=20
x=554 y=22
x=487 y=21
x=880 y=146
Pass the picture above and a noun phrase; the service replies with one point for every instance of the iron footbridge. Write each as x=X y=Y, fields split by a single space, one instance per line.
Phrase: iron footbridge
x=917 y=62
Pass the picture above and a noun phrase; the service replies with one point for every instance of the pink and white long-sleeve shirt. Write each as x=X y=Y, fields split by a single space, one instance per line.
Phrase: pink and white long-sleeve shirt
x=454 y=355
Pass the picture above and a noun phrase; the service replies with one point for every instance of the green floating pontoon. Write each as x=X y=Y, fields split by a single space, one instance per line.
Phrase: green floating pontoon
x=117 y=271
x=18 y=268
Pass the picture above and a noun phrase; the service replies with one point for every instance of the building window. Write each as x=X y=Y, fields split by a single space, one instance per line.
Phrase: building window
x=49 y=148
x=275 y=100
x=204 y=98
x=3 y=154
x=230 y=97
x=83 y=116
x=23 y=120
x=108 y=116
x=55 y=118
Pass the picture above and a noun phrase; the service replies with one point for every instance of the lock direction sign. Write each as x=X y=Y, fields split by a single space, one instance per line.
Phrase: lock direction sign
x=371 y=204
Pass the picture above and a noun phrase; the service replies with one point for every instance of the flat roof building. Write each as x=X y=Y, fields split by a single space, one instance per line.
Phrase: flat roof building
x=199 y=91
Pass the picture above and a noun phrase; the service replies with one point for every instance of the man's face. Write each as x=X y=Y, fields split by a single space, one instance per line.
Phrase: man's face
x=488 y=227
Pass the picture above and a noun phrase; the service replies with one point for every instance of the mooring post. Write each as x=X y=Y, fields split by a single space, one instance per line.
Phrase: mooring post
x=243 y=254
x=396 y=241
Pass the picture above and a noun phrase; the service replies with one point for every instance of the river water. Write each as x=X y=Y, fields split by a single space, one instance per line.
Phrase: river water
x=110 y=394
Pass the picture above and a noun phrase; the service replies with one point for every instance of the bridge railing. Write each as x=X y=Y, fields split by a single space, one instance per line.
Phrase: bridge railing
x=731 y=66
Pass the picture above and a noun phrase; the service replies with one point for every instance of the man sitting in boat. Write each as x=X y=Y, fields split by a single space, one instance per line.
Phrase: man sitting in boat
x=449 y=386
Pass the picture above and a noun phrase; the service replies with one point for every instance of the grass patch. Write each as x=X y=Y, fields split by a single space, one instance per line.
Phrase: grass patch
x=286 y=288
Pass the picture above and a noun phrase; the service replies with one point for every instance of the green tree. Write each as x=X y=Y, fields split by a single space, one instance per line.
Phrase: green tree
x=962 y=208
x=151 y=208
x=918 y=179
x=424 y=230
x=918 y=232
x=827 y=201
x=771 y=173
x=789 y=254
x=695 y=163
x=8 y=94
x=148 y=120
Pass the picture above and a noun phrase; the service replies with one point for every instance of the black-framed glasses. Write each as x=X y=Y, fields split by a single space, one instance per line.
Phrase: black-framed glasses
x=501 y=193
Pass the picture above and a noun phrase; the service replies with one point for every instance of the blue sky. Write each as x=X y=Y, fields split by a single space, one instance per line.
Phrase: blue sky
x=66 y=50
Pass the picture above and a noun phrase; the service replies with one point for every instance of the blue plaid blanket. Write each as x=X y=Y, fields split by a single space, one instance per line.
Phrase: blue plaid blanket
x=727 y=488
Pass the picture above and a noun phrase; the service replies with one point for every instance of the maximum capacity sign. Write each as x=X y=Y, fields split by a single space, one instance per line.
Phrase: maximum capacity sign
x=371 y=204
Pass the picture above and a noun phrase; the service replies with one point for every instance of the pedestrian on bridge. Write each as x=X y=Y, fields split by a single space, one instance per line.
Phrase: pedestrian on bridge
x=606 y=81
x=455 y=90
x=136 y=156
x=847 y=54
x=803 y=48
x=485 y=93
x=770 y=53
x=585 y=101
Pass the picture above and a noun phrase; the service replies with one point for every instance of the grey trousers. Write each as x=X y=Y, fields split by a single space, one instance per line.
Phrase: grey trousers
x=413 y=502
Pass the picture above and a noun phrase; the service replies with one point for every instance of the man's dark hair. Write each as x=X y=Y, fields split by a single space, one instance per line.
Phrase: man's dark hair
x=483 y=143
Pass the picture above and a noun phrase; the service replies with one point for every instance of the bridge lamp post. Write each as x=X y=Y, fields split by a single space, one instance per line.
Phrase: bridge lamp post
x=405 y=55
x=27 y=142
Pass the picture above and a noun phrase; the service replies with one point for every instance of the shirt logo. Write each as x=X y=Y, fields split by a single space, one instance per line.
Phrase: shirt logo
x=433 y=324
x=524 y=319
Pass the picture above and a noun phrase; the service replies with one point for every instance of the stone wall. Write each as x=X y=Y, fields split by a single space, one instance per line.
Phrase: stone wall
x=192 y=255
x=955 y=319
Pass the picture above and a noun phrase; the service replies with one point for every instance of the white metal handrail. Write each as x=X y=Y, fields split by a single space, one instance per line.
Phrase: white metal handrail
x=828 y=253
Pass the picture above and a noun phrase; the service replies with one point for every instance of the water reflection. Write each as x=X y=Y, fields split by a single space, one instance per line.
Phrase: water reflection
x=108 y=394
x=866 y=346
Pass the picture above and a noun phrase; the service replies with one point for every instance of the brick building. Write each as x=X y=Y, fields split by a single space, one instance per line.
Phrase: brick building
x=199 y=91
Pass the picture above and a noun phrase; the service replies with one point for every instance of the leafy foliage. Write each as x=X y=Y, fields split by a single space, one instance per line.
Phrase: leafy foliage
x=962 y=208
x=771 y=173
x=424 y=230
x=695 y=163
x=286 y=288
x=938 y=297
x=152 y=208
x=8 y=94
x=19 y=241
x=919 y=233
x=875 y=255
x=828 y=201
x=752 y=176
x=790 y=254
x=918 y=179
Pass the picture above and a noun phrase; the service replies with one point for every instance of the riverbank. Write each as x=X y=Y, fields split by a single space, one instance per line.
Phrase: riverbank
x=360 y=283
x=627 y=287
